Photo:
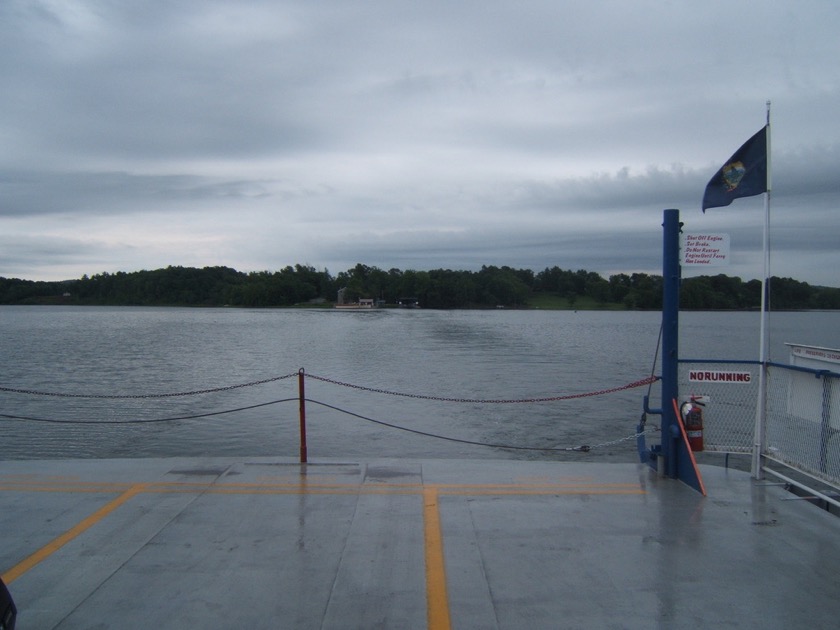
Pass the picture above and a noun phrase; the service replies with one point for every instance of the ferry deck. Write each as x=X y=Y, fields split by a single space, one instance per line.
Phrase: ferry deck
x=341 y=544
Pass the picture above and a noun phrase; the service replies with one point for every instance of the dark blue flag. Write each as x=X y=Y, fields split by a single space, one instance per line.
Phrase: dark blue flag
x=743 y=175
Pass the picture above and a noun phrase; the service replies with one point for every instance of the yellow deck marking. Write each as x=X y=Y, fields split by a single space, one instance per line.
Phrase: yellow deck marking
x=307 y=487
x=50 y=548
x=437 y=599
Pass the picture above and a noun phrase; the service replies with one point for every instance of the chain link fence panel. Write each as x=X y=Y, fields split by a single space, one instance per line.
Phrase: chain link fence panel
x=802 y=412
x=729 y=391
x=803 y=421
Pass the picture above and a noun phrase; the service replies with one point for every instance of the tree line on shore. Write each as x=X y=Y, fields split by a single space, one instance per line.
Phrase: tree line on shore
x=440 y=288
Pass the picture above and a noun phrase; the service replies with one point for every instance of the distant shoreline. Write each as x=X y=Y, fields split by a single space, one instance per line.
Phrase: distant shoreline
x=489 y=288
x=330 y=307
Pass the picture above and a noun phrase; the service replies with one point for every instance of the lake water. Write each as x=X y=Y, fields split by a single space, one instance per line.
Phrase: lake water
x=475 y=355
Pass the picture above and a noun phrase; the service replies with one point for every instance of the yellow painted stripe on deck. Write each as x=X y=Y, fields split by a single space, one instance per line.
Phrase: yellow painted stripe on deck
x=437 y=599
x=308 y=488
x=50 y=548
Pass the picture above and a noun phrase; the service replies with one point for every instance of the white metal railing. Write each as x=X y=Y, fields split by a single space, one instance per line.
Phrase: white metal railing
x=802 y=421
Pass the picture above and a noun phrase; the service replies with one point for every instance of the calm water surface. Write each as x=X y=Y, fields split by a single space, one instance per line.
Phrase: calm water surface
x=451 y=354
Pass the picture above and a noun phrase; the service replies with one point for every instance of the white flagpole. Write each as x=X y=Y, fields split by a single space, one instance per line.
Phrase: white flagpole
x=760 y=442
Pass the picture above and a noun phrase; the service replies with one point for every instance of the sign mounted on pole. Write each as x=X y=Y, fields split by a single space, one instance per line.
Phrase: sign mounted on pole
x=710 y=250
x=717 y=376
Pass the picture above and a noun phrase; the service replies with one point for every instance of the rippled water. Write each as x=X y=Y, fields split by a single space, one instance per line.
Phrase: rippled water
x=450 y=354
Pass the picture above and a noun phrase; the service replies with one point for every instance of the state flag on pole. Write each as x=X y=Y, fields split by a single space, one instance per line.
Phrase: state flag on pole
x=743 y=175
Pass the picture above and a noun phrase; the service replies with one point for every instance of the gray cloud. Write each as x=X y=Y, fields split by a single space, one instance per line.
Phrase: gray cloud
x=261 y=134
x=111 y=193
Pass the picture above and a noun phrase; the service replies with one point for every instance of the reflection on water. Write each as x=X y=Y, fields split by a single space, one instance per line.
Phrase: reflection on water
x=496 y=354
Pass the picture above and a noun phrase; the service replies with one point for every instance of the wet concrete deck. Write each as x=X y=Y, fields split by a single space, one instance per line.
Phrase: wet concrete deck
x=269 y=543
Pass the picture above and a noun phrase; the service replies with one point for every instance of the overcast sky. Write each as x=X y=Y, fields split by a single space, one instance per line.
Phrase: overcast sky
x=415 y=135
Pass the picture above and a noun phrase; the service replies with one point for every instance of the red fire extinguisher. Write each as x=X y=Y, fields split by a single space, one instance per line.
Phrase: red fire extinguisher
x=692 y=413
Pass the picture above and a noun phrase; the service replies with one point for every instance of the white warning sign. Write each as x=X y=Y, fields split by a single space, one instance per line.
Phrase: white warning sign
x=711 y=250
x=716 y=376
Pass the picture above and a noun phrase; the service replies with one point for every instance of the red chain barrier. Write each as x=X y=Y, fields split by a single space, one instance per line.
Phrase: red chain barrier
x=634 y=384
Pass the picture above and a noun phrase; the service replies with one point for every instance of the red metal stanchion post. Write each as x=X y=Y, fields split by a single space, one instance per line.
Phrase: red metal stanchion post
x=302 y=398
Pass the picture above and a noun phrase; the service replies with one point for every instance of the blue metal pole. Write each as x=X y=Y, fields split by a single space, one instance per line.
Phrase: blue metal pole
x=670 y=338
